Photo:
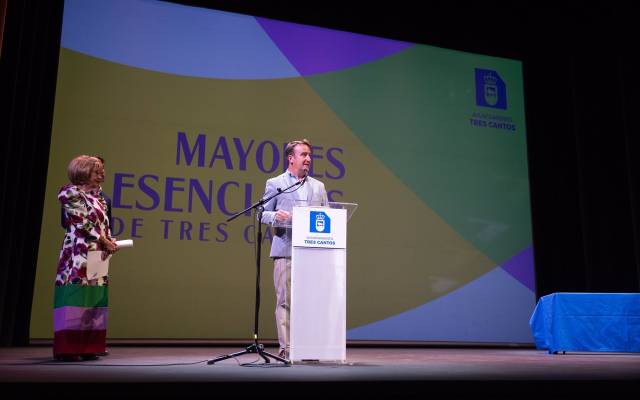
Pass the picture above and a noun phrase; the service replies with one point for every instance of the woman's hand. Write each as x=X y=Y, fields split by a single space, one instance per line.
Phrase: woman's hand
x=108 y=247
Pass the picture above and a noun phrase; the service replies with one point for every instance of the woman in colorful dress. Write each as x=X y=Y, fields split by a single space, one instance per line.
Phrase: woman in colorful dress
x=81 y=304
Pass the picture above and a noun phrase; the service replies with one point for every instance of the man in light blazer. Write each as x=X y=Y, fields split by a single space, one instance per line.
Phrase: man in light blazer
x=278 y=210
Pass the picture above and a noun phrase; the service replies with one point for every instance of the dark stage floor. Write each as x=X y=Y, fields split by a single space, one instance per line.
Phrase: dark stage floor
x=182 y=371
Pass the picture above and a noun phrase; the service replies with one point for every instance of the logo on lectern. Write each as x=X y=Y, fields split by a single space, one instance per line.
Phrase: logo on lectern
x=319 y=222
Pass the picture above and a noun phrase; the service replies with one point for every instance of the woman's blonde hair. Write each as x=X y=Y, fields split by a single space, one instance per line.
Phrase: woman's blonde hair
x=79 y=169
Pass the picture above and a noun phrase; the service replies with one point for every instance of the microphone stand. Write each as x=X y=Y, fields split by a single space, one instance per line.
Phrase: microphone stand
x=257 y=347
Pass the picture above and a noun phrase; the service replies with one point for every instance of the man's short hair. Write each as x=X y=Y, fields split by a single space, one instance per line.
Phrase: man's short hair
x=291 y=145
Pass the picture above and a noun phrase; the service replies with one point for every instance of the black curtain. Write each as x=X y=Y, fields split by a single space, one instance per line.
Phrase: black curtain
x=581 y=93
x=28 y=69
x=581 y=87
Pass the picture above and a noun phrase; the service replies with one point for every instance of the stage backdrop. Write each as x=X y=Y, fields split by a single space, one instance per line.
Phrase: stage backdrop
x=191 y=109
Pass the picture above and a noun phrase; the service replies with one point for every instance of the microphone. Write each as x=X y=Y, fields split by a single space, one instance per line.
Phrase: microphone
x=306 y=175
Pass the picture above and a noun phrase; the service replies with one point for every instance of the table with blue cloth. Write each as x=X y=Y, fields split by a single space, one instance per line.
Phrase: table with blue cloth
x=583 y=322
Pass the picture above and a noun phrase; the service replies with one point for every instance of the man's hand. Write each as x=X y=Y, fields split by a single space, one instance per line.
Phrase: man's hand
x=282 y=215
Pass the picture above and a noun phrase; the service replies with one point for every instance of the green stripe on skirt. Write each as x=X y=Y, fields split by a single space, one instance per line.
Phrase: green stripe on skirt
x=81 y=296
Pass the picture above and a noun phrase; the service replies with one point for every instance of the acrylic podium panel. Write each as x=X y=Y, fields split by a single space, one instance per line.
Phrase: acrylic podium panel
x=318 y=329
x=586 y=322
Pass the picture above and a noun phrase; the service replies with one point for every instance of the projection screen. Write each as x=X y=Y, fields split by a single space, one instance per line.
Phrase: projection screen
x=191 y=108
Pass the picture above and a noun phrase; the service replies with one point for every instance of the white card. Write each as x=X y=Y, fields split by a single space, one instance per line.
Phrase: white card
x=96 y=266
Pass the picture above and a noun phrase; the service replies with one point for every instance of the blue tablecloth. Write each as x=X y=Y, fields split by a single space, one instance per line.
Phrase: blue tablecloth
x=608 y=322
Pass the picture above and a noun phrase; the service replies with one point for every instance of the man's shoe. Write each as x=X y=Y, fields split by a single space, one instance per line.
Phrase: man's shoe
x=284 y=354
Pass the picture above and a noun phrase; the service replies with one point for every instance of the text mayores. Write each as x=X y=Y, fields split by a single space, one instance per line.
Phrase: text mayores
x=267 y=156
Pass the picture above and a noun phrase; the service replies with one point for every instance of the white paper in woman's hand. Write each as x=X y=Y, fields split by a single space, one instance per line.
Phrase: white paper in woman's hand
x=124 y=243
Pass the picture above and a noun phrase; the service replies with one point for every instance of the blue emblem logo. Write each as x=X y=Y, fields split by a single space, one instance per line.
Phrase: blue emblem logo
x=319 y=222
x=491 y=91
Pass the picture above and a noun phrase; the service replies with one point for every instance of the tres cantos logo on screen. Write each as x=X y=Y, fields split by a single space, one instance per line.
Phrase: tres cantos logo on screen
x=491 y=92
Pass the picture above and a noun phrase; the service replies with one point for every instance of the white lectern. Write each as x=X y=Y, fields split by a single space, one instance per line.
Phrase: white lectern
x=318 y=327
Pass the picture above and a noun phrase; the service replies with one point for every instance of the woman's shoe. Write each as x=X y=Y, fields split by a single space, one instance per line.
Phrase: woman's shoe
x=68 y=358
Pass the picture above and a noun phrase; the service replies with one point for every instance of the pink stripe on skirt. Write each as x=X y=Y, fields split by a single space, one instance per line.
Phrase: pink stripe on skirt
x=80 y=318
